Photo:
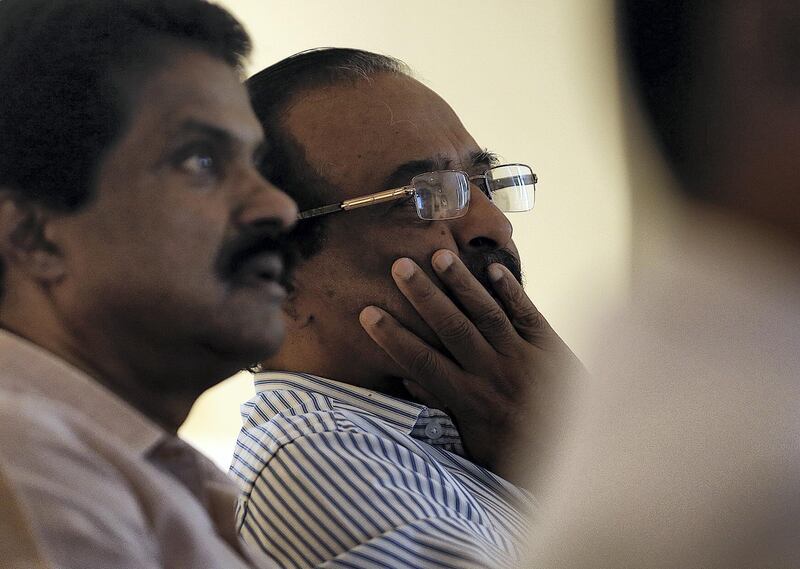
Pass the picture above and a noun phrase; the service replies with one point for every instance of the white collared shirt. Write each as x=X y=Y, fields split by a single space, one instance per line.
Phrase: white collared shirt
x=88 y=482
x=335 y=475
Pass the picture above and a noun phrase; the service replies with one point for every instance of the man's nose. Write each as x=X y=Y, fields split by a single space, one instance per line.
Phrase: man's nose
x=265 y=204
x=483 y=228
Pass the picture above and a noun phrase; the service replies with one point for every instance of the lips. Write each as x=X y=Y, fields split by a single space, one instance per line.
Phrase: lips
x=264 y=270
x=266 y=266
x=256 y=258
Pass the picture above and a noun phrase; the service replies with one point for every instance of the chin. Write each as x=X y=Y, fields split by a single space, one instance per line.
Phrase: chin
x=247 y=345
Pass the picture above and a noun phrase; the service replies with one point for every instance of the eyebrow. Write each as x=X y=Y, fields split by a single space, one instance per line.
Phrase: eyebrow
x=194 y=126
x=484 y=158
x=218 y=134
x=402 y=175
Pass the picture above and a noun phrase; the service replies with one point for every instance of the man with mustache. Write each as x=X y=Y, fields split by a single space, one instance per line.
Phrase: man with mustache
x=137 y=269
x=340 y=461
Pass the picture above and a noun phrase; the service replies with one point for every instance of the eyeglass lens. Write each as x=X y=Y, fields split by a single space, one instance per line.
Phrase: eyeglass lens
x=441 y=195
x=512 y=187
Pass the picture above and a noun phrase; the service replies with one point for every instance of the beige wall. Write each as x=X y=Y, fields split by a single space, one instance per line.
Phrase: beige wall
x=532 y=80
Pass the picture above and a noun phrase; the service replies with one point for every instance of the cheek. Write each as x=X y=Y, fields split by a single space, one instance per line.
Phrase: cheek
x=162 y=214
x=181 y=236
x=354 y=268
x=152 y=258
x=380 y=244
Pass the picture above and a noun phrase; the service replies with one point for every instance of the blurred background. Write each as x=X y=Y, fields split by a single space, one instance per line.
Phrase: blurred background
x=533 y=80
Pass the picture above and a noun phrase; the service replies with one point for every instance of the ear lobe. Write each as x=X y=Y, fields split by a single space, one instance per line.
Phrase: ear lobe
x=23 y=240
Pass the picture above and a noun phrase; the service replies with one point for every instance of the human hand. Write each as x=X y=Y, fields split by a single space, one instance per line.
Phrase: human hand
x=503 y=355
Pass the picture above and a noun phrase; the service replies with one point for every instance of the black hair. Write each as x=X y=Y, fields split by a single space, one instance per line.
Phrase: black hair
x=664 y=43
x=62 y=97
x=285 y=164
x=58 y=108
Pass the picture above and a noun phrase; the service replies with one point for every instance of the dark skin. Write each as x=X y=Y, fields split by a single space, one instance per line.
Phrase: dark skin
x=370 y=136
x=363 y=138
x=144 y=288
x=500 y=354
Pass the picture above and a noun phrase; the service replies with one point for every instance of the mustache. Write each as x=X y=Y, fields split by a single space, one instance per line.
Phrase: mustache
x=478 y=265
x=251 y=242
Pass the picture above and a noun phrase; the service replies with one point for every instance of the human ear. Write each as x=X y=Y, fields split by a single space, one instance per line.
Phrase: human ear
x=25 y=243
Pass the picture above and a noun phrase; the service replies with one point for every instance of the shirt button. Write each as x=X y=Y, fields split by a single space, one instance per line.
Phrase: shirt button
x=433 y=430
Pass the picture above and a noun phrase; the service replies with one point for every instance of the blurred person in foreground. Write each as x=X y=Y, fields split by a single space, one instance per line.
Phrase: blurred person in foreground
x=684 y=450
x=339 y=460
x=139 y=268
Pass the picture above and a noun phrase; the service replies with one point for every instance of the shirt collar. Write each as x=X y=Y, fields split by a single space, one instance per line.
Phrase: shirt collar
x=401 y=414
x=26 y=368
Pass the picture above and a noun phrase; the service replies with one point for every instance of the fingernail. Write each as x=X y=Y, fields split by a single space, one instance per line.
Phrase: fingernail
x=495 y=273
x=403 y=268
x=443 y=260
x=370 y=316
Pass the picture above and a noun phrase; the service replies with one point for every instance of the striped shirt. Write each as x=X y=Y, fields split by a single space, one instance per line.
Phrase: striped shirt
x=334 y=475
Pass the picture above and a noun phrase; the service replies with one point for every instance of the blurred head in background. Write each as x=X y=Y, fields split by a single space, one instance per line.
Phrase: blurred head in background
x=720 y=82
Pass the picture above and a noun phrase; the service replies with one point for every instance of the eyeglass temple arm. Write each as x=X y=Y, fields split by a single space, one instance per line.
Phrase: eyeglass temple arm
x=355 y=203
x=317 y=211
x=507 y=182
x=380 y=197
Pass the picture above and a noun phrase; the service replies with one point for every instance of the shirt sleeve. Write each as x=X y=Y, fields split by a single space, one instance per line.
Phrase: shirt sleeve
x=350 y=499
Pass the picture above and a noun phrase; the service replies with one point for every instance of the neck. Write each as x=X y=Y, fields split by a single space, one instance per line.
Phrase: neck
x=164 y=394
x=305 y=356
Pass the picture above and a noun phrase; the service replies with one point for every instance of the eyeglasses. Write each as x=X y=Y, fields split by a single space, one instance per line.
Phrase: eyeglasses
x=444 y=194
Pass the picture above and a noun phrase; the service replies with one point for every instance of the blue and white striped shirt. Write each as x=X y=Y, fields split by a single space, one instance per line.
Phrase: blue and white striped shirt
x=334 y=475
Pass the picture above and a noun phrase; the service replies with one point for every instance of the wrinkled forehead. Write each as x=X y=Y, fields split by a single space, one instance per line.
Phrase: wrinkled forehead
x=357 y=135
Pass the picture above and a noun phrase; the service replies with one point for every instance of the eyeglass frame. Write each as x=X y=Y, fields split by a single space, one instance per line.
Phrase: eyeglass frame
x=405 y=191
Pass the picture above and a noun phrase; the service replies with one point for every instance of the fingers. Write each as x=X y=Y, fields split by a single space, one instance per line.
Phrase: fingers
x=524 y=316
x=484 y=311
x=421 y=363
x=451 y=325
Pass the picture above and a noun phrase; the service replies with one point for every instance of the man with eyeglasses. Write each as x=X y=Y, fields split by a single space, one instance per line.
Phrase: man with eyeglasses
x=340 y=460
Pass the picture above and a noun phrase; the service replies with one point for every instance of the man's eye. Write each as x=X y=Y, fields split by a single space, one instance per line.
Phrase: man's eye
x=199 y=163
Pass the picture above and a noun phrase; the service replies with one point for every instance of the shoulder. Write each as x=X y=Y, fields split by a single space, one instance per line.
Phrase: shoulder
x=277 y=418
x=320 y=441
x=77 y=499
x=33 y=423
x=50 y=442
x=281 y=421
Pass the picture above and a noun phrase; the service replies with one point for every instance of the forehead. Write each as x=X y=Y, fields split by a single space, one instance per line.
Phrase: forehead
x=190 y=87
x=357 y=134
